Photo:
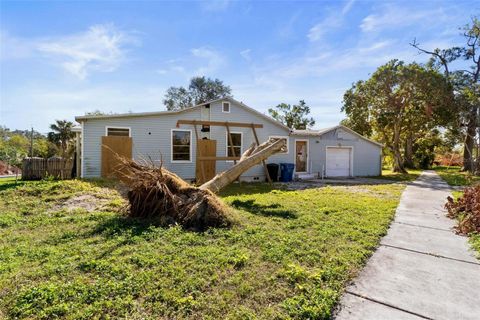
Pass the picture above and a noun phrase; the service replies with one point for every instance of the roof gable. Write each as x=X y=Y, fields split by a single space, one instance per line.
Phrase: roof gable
x=326 y=130
x=160 y=113
x=249 y=109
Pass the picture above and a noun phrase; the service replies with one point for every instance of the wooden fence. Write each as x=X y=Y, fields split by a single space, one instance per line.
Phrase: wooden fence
x=39 y=168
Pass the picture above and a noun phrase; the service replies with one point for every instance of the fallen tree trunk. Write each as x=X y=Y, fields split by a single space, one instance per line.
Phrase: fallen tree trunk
x=254 y=157
x=155 y=192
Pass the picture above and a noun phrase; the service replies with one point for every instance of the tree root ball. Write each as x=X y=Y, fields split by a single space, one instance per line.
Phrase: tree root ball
x=156 y=193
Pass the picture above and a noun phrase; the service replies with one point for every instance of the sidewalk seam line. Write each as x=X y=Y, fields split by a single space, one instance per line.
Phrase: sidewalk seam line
x=388 y=305
x=420 y=226
x=430 y=254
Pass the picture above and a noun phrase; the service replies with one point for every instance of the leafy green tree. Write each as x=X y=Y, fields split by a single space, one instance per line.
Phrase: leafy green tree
x=398 y=104
x=95 y=112
x=466 y=84
x=200 y=90
x=15 y=146
x=177 y=98
x=61 y=135
x=293 y=116
x=356 y=104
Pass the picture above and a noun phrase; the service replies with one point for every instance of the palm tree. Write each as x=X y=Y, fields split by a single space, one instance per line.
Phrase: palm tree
x=61 y=135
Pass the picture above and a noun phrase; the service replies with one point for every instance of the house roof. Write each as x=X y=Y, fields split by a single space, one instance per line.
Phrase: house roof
x=159 y=113
x=321 y=132
x=243 y=105
x=131 y=114
x=307 y=132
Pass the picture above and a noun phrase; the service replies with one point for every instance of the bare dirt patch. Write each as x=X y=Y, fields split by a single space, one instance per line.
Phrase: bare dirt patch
x=87 y=202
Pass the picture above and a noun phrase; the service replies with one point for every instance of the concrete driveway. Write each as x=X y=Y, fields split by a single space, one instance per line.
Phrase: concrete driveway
x=422 y=269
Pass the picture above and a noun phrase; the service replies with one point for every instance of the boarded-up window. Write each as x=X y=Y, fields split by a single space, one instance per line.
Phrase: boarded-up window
x=236 y=143
x=122 y=132
x=283 y=138
x=181 y=145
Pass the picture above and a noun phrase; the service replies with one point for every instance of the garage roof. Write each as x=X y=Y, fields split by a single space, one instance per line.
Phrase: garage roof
x=320 y=132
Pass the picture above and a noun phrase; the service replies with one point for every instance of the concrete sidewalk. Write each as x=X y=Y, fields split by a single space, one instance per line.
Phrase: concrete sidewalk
x=422 y=269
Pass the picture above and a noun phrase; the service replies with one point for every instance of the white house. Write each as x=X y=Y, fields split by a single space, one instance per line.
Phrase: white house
x=196 y=137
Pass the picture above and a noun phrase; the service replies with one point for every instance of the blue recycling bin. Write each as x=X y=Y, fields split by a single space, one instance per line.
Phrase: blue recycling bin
x=286 y=172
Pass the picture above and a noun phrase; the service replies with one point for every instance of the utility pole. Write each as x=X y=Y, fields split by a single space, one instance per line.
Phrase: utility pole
x=31 y=144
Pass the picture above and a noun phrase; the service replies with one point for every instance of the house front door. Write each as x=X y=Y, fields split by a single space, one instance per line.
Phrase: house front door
x=301 y=154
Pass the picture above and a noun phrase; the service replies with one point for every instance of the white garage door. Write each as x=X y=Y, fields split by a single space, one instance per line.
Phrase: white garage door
x=338 y=162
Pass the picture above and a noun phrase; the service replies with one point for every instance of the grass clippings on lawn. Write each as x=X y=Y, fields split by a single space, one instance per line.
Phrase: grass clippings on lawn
x=289 y=256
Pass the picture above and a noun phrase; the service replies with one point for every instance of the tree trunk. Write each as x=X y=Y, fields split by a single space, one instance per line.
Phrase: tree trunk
x=255 y=157
x=397 y=155
x=155 y=192
x=408 y=153
x=468 y=164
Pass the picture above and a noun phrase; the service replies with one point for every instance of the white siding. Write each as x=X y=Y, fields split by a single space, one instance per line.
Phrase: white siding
x=151 y=135
x=366 y=155
x=239 y=114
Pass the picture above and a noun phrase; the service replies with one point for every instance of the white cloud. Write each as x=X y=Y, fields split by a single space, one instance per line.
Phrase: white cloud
x=348 y=6
x=395 y=16
x=215 y=5
x=214 y=60
x=332 y=21
x=246 y=54
x=101 y=48
x=202 y=61
x=320 y=29
x=65 y=102
x=14 y=48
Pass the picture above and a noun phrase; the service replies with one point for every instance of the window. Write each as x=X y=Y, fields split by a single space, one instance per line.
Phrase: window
x=226 y=107
x=118 y=131
x=281 y=137
x=181 y=145
x=237 y=144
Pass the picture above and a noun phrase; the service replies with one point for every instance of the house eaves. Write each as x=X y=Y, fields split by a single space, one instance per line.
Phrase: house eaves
x=160 y=113
x=318 y=133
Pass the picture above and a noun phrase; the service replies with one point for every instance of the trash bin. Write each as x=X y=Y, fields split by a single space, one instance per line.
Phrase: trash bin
x=286 y=172
x=272 y=169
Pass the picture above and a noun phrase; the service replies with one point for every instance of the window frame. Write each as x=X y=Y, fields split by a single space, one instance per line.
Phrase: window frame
x=117 y=127
x=282 y=137
x=171 y=146
x=229 y=106
x=228 y=147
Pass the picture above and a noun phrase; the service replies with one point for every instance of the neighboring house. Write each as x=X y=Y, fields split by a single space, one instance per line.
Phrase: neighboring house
x=172 y=137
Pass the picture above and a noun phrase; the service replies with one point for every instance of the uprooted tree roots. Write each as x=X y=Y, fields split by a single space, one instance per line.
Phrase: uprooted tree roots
x=154 y=192
x=157 y=193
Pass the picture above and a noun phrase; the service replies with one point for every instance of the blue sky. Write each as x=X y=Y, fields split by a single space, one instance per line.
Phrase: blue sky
x=61 y=59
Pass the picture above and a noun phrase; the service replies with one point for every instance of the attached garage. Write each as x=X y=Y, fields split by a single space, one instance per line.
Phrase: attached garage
x=339 y=161
x=338 y=152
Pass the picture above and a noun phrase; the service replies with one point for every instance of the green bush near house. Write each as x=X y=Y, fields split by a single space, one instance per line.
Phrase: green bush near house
x=289 y=256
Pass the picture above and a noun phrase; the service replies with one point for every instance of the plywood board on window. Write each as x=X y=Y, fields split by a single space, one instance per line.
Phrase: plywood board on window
x=205 y=169
x=112 y=146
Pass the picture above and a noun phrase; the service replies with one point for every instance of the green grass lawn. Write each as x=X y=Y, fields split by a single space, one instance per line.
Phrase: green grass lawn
x=410 y=176
x=289 y=256
x=454 y=177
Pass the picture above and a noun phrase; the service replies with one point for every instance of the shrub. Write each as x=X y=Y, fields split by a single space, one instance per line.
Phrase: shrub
x=466 y=210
